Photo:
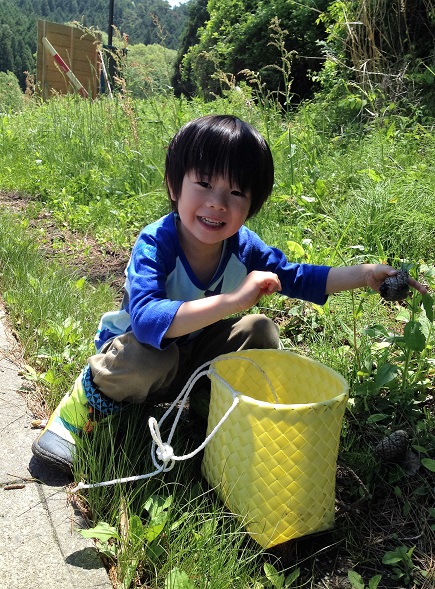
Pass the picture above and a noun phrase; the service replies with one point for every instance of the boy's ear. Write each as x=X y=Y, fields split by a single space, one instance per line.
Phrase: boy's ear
x=171 y=193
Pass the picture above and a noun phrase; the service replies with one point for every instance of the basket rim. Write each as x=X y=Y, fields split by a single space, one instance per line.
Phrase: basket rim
x=283 y=406
x=296 y=406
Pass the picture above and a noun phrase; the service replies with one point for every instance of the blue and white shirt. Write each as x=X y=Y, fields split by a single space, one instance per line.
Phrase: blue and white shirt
x=159 y=279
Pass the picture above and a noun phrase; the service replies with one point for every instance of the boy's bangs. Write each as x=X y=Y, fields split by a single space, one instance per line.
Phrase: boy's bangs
x=231 y=155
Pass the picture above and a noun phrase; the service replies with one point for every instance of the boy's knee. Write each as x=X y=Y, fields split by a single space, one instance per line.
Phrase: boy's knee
x=127 y=370
x=263 y=333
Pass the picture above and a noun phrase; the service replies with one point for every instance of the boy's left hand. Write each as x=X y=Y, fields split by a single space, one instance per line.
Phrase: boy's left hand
x=377 y=273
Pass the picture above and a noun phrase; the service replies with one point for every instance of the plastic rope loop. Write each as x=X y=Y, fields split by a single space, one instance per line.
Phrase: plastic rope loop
x=162 y=453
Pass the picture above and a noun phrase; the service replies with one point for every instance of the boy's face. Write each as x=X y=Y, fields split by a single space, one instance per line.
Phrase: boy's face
x=210 y=209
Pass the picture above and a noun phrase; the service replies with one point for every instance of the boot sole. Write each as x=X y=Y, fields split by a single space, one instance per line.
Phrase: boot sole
x=50 y=457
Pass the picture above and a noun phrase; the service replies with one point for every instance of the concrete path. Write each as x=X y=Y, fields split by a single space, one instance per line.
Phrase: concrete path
x=40 y=547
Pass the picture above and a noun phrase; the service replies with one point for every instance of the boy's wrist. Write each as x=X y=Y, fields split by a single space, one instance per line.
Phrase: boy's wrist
x=367 y=272
x=231 y=304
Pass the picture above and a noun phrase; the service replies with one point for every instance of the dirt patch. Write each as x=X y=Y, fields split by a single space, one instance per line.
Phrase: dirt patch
x=83 y=254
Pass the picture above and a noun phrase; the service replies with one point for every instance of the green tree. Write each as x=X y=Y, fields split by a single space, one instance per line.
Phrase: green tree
x=236 y=37
x=183 y=80
x=27 y=61
x=149 y=69
x=6 y=53
x=153 y=21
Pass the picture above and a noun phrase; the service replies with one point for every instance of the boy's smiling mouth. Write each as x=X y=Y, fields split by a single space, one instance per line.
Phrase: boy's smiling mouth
x=211 y=222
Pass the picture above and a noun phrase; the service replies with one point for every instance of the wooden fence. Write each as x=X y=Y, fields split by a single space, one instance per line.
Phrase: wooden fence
x=80 y=53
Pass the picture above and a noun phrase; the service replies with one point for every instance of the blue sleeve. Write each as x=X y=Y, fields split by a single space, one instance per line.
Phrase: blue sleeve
x=151 y=311
x=298 y=281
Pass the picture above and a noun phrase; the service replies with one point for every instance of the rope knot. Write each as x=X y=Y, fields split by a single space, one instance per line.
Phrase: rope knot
x=165 y=453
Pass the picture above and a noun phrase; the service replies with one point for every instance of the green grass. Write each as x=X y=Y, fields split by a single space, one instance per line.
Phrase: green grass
x=53 y=309
x=343 y=194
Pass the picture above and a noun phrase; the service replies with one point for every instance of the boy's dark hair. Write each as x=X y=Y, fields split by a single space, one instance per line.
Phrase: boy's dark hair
x=221 y=145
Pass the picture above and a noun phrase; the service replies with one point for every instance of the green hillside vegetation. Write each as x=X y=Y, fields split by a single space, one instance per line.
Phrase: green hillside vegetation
x=392 y=47
x=355 y=182
x=143 y=21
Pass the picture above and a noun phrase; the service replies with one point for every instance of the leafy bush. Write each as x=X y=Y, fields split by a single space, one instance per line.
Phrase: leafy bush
x=11 y=97
x=148 y=69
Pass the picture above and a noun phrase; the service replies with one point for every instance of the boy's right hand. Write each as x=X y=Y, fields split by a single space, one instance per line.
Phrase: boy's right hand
x=256 y=285
x=194 y=315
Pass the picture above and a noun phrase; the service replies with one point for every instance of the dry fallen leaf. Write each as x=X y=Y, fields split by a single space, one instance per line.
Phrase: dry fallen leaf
x=14 y=486
x=38 y=423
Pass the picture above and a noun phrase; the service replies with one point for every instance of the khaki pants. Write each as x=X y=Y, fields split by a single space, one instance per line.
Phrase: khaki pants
x=126 y=370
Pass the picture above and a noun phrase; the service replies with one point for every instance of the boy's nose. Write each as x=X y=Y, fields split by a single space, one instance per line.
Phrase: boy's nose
x=217 y=200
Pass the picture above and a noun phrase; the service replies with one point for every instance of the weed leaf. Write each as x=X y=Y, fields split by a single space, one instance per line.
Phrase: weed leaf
x=391 y=558
x=155 y=527
x=130 y=573
x=376 y=417
x=355 y=580
x=374 y=581
x=291 y=578
x=177 y=579
x=386 y=373
x=102 y=531
x=155 y=504
x=136 y=526
x=376 y=331
x=273 y=576
x=414 y=337
x=428 y=463
x=295 y=251
x=427 y=301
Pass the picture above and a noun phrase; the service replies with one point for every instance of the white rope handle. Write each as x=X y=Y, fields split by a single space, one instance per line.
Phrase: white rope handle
x=162 y=453
x=257 y=366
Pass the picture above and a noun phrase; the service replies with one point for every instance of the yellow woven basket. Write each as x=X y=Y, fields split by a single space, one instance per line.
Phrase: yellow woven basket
x=273 y=460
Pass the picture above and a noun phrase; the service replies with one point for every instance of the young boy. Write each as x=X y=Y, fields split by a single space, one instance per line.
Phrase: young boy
x=187 y=274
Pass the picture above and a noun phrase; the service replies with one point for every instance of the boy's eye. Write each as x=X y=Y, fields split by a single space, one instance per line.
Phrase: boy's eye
x=238 y=193
x=203 y=184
